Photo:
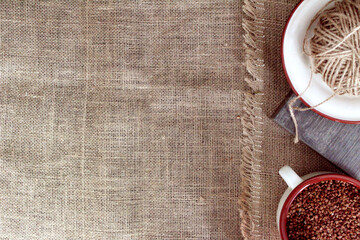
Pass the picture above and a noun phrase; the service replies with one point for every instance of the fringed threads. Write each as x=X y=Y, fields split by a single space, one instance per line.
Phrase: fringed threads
x=252 y=121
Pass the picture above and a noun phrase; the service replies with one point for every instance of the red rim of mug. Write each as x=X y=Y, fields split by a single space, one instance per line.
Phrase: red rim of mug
x=288 y=78
x=301 y=187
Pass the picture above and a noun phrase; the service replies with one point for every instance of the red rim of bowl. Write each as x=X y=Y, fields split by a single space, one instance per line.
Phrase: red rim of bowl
x=301 y=187
x=288 y=78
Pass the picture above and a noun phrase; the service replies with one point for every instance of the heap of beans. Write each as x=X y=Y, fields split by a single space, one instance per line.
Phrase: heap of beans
x=325 y=210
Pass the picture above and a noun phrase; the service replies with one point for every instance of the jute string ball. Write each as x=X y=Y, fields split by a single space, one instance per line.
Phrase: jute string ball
x=334 y=50
x=335 y=47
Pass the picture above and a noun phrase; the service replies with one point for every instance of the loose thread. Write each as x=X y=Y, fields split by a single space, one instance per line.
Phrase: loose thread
x=292 y=109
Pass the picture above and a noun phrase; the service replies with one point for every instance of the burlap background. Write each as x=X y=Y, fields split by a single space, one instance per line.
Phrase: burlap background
x=119 y=119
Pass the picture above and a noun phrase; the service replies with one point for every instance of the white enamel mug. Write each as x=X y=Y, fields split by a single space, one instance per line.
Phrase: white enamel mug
x=292 y=180
x=295 y=185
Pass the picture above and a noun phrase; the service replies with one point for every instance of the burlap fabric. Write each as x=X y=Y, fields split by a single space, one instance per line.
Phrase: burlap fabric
x=132 y=120
x=267 y=147
x=119 y=119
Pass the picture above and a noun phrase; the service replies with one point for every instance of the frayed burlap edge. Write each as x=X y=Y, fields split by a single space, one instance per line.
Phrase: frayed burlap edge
x=252 y=120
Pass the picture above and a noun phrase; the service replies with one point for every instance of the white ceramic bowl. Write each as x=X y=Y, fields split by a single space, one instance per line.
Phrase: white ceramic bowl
x=296 y=66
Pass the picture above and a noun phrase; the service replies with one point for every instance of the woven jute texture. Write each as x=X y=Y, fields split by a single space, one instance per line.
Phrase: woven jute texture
x=267 y=147
x=133 y=119
x=120 y=119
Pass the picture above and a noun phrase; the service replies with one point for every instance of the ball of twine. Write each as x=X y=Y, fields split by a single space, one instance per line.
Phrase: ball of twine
x=334 y=51
x=335 y=47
